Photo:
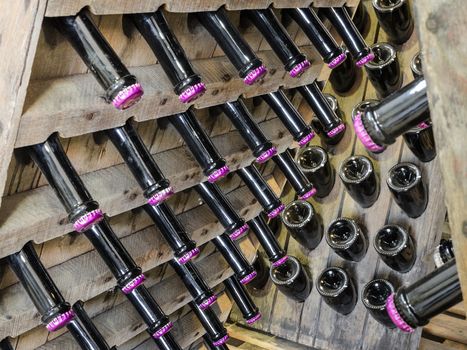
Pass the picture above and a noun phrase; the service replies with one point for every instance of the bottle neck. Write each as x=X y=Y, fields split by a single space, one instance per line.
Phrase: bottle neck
x=211 y=324
x=243 y=300
x=267 y=240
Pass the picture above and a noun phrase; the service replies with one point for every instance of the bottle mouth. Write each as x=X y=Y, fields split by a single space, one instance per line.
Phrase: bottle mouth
x=390 y=240
x=218 y=174
x=134 y=283
x=128 y=96
x=387 y=5
x=332 y=101
x=416 y=64
x=276 y=211
x=285 y=273
x=337 y=61
x=85 y=222
x=364 y=136
x=360 y=107
x=403 y=176
x=332 y=282
x=60 y=321
x=297 y=213
x=161 y=196
x=355 y=169
x=311 y=159
x=299 y=69
x=190 y=255
x=307 y=138
x=375 y=294
x=239 y=232
x=255 y=75
x=384 y=53
x=342 y=233
x=192 y=93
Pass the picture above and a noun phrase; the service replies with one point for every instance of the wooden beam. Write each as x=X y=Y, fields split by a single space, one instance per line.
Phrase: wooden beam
x=441 y=26
x=448 y=327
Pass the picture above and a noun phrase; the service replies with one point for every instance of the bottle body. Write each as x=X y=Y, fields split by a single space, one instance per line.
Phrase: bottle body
x=374 y=296
x=421 y=141
x=314 y=162
x=347 y=239
x=337 y=289
x=292 y=279
x=395 y=17
x=344 y=76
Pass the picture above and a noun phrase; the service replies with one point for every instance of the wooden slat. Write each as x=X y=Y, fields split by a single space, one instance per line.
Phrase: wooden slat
x=447 y=327
x=72 y=105
x=86 y=276
x=37 y=215
x=20 y=24
x=66 y=8
x=426 y=344
x=442 y=33
x=458 y=309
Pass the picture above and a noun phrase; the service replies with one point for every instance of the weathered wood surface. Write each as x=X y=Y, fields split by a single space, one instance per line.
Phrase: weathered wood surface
x=20 y=24
x=66 y=8
x=313 y=323
x=441 y=25
x=86 y=275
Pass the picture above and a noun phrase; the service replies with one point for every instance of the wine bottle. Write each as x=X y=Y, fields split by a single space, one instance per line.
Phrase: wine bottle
x=200 y=145
x=374 y=296
x=395 y=247
x=294 y=61
x=211 y=323
x=341 y=21
x=347 y=239
x=361 y=19
x=121 y=88
x=360 y=181
x=318 y=127
x=86 y=217
x=303 y=223
x=254 y=137
x=309 y=22
x=271 y=204
x=395 y=17
x=244 y=272
x=331 y=123
x=421 y=141
x=212 y=195
x=262 y=269
x=289 y=116
x=416 y=65
x=249 y=66
x=84 y=331
x=297 y=179
x=54 y=310
x=314 y=162
x=240 y=296
x=173 y=231
x=443 y=252
x=337 y=289
x=170 y=55
x=277 y=256
x=408 y=188
x=384 y=71
x=381 y=124
x=344 y=76
x=414 y=305
x=291 y=279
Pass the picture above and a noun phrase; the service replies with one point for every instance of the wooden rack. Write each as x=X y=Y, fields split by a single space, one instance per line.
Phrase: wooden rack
x=45 y=88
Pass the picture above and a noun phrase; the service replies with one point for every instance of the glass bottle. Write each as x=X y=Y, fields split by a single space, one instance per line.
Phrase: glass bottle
x=170 y=55
x=243 y=300
x=303 y=223
x=314 y=162
x=408 y=188
x=395 y=17
x=347 y=240
x=262 y=278
x=292 y=279
x=359 y=178
x=121 y=88
x=421 y=141
x=395 y=247
x=249 y=66
x=344 y=76
x=211 y=323
x=337 y=289
x=374 y=296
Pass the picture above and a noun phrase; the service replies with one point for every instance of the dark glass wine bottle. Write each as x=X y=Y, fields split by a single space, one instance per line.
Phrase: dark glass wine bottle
x=200 y=145
x=268 y=241
x=330 y=122
x=421 y=141
x=341 y=21
x=374 y=296
x=361 y=19
x=297 y=179
x=337 y=289
x=414 y=305
x=303 y=223
x=294 y=61
x=384 y=71
x=121 y=88
x=443 y=252
x=86 y=217
x=314 y=162
x=260 y=189
x=211 y=323
x=244 y=272
x=344 y=76
x=170 y=55
x=292 y=279
x=309 y=22
x=254 y=137
x=347 y=239
x=212 y=195
x=416 y=65
x=408 y=188
x=289 y=116
x=262 y=269
x=240 y=296
x=381 y=124
x=395 y=17
x=249 y=66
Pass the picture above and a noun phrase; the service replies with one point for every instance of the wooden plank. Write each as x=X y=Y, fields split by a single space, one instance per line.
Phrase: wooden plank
x=66 y=8
x=458 y=309
x=441 y=28
x=37 y=214
x=86 y=276
x=447 y=327
x=19 y=27
x=426 y=344
x=72 y=105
